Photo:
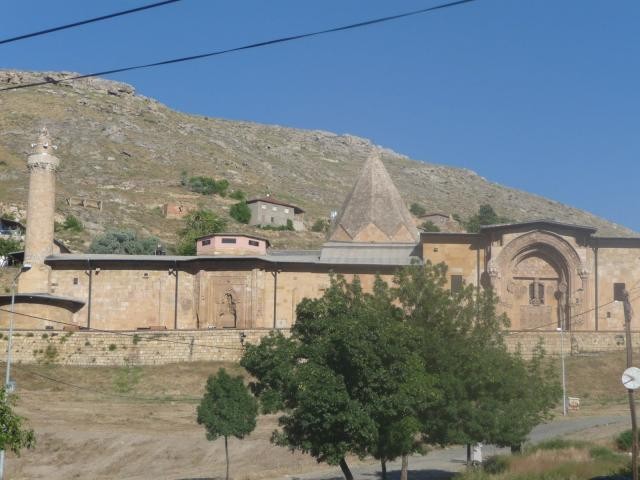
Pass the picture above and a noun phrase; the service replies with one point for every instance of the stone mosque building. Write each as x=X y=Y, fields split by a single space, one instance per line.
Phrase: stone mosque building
x=543 y=271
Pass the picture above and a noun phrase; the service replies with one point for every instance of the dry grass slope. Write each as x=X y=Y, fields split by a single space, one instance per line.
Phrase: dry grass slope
x=129 y=151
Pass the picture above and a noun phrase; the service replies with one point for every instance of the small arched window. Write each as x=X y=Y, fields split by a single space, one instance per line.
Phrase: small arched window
x=536 y=293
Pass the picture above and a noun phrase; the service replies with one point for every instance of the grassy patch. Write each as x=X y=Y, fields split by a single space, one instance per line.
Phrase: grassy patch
x=126 y=379
x=556 y=459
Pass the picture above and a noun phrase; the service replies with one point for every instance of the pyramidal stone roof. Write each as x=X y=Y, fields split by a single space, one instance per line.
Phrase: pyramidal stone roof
x=374 y=211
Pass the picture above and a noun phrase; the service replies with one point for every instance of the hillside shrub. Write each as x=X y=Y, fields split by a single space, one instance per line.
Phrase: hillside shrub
x=72 y=224
x=207 y=185
x=417 y=210
x=486 y=216
x=9 y=245
x=429 y=226
x=240 y=212
x=199 y=223
x=125 y=242
x=320 y=225
x=238 y=195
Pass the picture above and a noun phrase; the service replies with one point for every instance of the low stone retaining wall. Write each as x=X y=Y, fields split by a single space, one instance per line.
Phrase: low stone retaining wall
x=128 y=348
x=575 y=343
x=161 y=347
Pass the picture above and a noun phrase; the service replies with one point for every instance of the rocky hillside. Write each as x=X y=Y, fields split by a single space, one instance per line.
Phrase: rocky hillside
x=130 y=151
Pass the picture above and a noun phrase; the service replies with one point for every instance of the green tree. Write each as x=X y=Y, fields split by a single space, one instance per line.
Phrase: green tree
x=486 y=216
x=238 y=195
x=9 y=245
x=221 y=187
x=429 y=226
x=227 y=409
x=197 y=224
x=240 y=212
x=320 y=225
x=13 y=435
x=417 y=210
x=348 y=379
x=488 y=394
x=71 y=224
x=125 y=242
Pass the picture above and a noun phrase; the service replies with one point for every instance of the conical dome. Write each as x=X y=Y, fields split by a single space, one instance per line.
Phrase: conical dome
x=374 y=210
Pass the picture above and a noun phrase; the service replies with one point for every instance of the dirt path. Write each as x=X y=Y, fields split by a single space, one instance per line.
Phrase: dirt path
x=105 y=431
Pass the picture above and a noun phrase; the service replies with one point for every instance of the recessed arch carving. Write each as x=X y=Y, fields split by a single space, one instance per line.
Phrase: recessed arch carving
x=558 y=263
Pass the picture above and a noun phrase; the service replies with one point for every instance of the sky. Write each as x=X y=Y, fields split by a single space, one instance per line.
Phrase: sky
x=539 y=95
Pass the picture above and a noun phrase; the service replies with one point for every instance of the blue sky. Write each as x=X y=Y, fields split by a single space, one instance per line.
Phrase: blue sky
x=540 y=95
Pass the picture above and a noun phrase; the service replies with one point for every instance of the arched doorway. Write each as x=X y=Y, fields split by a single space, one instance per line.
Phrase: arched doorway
x=541 y=282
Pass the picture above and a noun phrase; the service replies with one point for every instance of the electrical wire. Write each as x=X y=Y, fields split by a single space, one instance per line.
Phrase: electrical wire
x=246 y=47
x=85 y=22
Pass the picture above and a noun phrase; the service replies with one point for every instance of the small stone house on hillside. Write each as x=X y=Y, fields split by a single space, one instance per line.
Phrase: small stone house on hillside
x=270 y=211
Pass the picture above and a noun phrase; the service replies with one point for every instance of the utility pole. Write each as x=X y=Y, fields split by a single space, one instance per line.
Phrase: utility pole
x=8 y=385
x=621 y=293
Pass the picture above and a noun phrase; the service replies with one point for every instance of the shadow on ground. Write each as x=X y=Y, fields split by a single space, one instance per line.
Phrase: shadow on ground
x=391 y=475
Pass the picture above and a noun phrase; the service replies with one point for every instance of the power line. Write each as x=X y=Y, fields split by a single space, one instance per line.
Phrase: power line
x=85 y=22
x=124 y=334
x=248 y=46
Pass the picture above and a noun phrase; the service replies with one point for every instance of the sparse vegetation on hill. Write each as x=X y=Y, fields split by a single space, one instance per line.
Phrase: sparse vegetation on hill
x=130 y=152
x=240 y=212
x=125 y=242
x=197 y=224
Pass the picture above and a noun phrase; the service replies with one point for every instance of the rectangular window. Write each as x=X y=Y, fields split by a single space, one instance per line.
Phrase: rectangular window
x=75 y=280
x=618 y=291
x=254 y=243
x=286 y=210
x=275 y=209
x=456 y=283
x=206 y=242
x=264 y=207
x=228 y=240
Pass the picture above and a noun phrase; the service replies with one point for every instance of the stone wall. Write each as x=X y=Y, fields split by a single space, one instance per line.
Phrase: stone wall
x=128 y=348
x=575 y=343
x=162 y=347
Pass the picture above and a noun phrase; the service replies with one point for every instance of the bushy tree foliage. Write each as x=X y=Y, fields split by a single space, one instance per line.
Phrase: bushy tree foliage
x=320 y=225
x=486 y=216
x=227 y=409
x=197 y=224
x=429 y=226
x=9 y=245
x=417 y=210
x=238 y=195
x=14 y=436
x=349 y=379
x=124 y=242
x=488 y=394
x=207 y=185
x=240 y=212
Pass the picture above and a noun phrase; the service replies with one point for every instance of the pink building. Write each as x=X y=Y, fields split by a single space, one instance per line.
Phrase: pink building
x=231 y=244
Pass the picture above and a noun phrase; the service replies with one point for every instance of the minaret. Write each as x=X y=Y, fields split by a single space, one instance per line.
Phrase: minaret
x=42 y=165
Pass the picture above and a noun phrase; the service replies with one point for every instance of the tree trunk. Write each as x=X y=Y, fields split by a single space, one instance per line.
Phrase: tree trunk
x=404 y=471
x=468 y=455
x=226 y=454
x=345 y=470
x=383 y=468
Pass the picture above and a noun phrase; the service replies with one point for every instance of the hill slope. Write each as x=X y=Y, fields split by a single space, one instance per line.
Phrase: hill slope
x=130 y=151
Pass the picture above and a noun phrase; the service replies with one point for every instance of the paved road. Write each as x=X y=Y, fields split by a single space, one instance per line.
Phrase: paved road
x=443 y=464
